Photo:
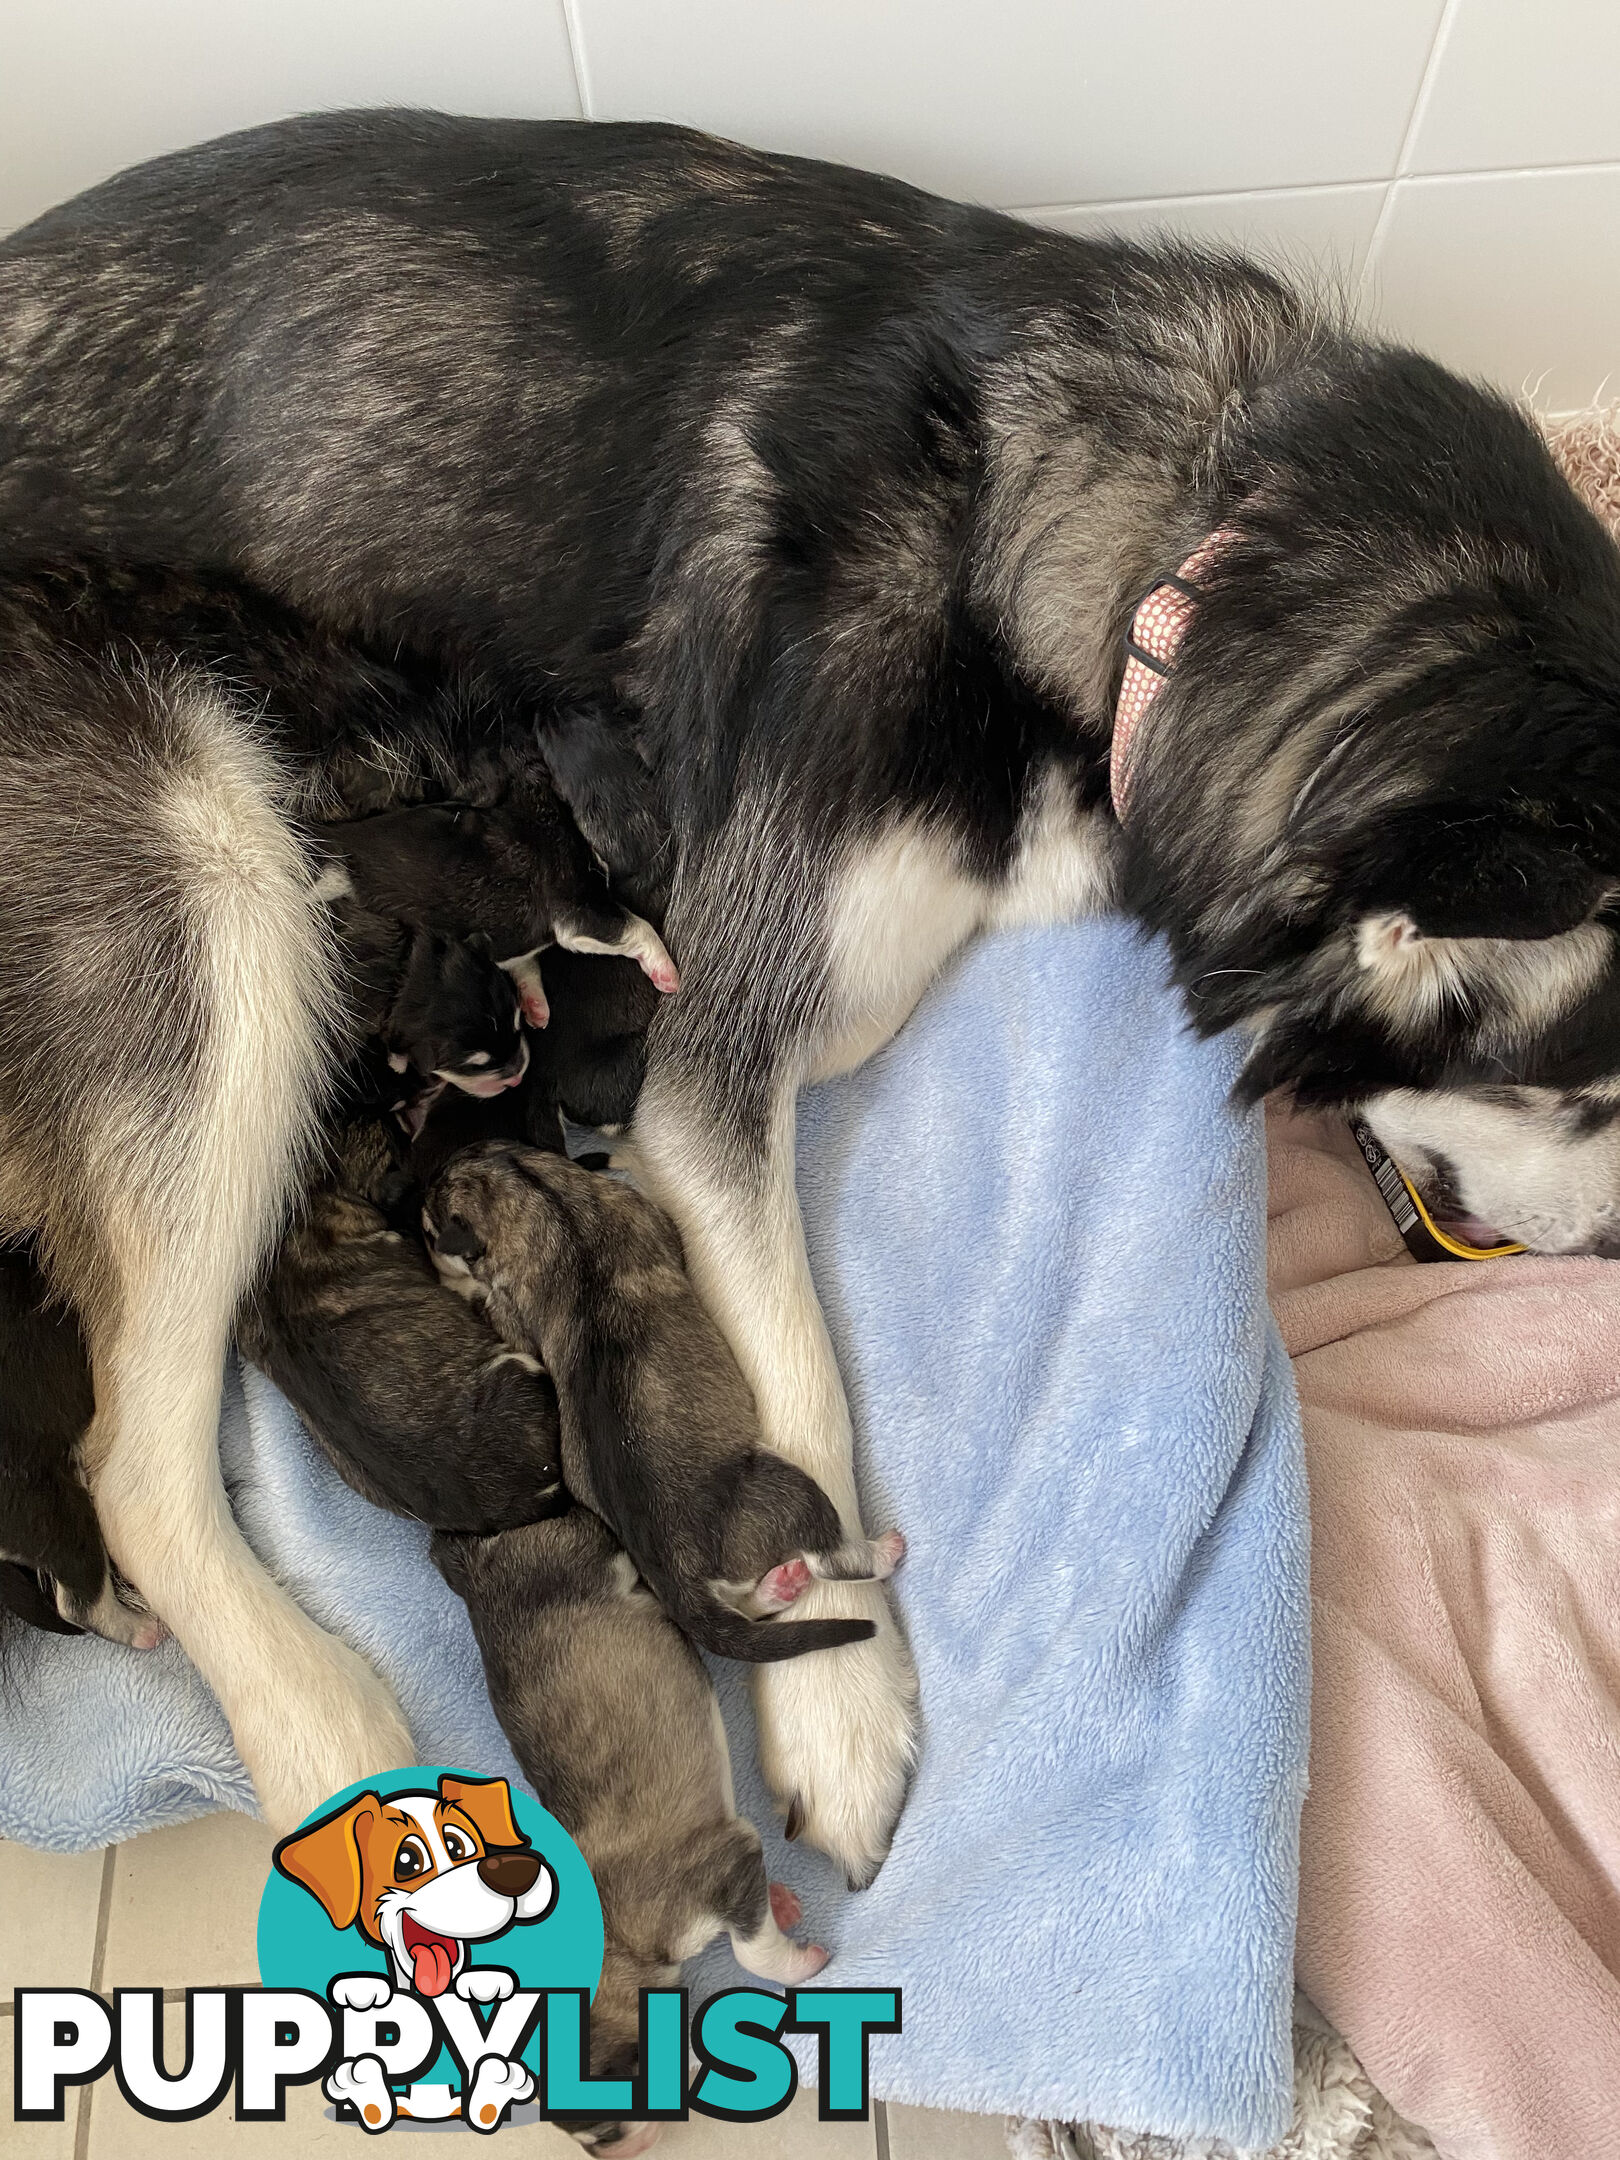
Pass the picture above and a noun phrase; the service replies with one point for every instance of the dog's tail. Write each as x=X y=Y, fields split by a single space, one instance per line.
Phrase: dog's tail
x=713 y=1626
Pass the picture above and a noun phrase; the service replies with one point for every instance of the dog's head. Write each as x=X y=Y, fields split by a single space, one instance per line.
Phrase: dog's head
x=496 y=1218
x=422 y=1874
x=1379 y=815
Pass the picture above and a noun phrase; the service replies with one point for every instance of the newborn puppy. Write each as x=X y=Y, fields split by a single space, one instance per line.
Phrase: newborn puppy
x=54 y=1570
x=404 y=1387
x=658 y=1426
x=436 y=1002
x=519 y=874
x=593 y=1055
x=611 y=1714
x=587 y=1065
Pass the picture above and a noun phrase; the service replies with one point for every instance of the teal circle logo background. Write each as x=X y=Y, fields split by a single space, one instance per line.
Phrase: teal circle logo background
x=300 y=1948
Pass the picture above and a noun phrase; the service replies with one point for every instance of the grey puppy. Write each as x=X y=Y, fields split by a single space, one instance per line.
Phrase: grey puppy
x=407 y=1390
x=611 y=1714
x=659 y=1430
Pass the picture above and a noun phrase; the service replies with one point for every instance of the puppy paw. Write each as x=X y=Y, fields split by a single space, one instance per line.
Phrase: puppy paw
x=778 y=1589
x=484 y=1984
x=838 y=1731
x=637 y=940
x=531 y=989
x=787 y=1910
x=361 y=2083
x=117 y=1615
x=497 y=2085
x=887 y=1553
x=361 y=1991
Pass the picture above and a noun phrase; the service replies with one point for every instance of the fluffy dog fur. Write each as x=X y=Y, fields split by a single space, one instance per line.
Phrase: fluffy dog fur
x=799 y=517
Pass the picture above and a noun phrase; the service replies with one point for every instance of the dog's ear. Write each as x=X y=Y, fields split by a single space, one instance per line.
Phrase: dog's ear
x=325 y=1858
x=1474 y=871
x=1321 y=1065
x=487 y=1802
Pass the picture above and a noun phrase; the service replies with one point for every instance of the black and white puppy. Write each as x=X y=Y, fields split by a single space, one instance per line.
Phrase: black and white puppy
x=54 y=1570
x=517 y=874
x=405 y=1388
x=437 y=1003
x=593 y=1056
x=659 y=1431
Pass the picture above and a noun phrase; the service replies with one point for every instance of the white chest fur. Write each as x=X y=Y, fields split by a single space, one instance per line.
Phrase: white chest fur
x=904 y=902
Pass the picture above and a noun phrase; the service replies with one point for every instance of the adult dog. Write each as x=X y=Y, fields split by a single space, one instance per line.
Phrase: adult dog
x=827 y=505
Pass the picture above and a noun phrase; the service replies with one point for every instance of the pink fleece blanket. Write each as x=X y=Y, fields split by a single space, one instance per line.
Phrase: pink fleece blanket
x=1460 y=1884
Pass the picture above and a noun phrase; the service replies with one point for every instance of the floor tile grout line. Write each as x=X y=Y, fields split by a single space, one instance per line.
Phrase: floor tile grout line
x=98 y=1959
x=98 y=1956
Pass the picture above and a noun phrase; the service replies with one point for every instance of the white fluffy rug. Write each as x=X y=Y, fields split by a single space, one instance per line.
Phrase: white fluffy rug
x=1338 y=2115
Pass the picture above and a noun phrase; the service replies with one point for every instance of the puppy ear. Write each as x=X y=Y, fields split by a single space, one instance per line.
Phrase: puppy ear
x=458 y=1240
x=488 y=1804
x=325 y=1858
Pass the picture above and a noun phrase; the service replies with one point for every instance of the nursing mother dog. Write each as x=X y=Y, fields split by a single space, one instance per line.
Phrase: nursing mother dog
x=805 y=517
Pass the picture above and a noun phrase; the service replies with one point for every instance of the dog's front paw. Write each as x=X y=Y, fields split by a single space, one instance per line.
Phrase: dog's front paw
x=361 y=1991
x=497 y=2085
x=484 y=1984
x=362 y=2084
x=838 y=1730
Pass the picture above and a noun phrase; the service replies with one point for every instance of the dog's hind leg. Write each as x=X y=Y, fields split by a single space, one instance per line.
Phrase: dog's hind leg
x=190 y=1173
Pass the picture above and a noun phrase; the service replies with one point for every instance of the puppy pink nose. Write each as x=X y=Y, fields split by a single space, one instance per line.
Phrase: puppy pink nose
x=509 y=1872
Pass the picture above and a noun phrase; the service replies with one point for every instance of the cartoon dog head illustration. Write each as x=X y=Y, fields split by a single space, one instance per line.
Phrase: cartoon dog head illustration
x=422 y=1874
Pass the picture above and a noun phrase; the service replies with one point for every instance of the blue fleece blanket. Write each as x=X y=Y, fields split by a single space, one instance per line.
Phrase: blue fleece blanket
x=1039 y=1235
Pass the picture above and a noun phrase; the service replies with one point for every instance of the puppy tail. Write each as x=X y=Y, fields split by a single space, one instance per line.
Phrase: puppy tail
x=762 y=1642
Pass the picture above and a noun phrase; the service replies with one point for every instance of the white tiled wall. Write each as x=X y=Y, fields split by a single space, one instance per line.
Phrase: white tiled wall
x=1457 y=161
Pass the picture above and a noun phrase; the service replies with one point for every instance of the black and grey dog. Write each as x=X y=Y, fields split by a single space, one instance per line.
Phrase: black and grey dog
x=799 y=519
x=659 y=1432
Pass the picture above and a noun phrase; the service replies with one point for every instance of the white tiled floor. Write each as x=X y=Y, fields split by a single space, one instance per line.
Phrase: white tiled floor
x=178 y=1907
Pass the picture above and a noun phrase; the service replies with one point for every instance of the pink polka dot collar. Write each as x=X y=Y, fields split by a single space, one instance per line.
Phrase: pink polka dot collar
x=1157 y=629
